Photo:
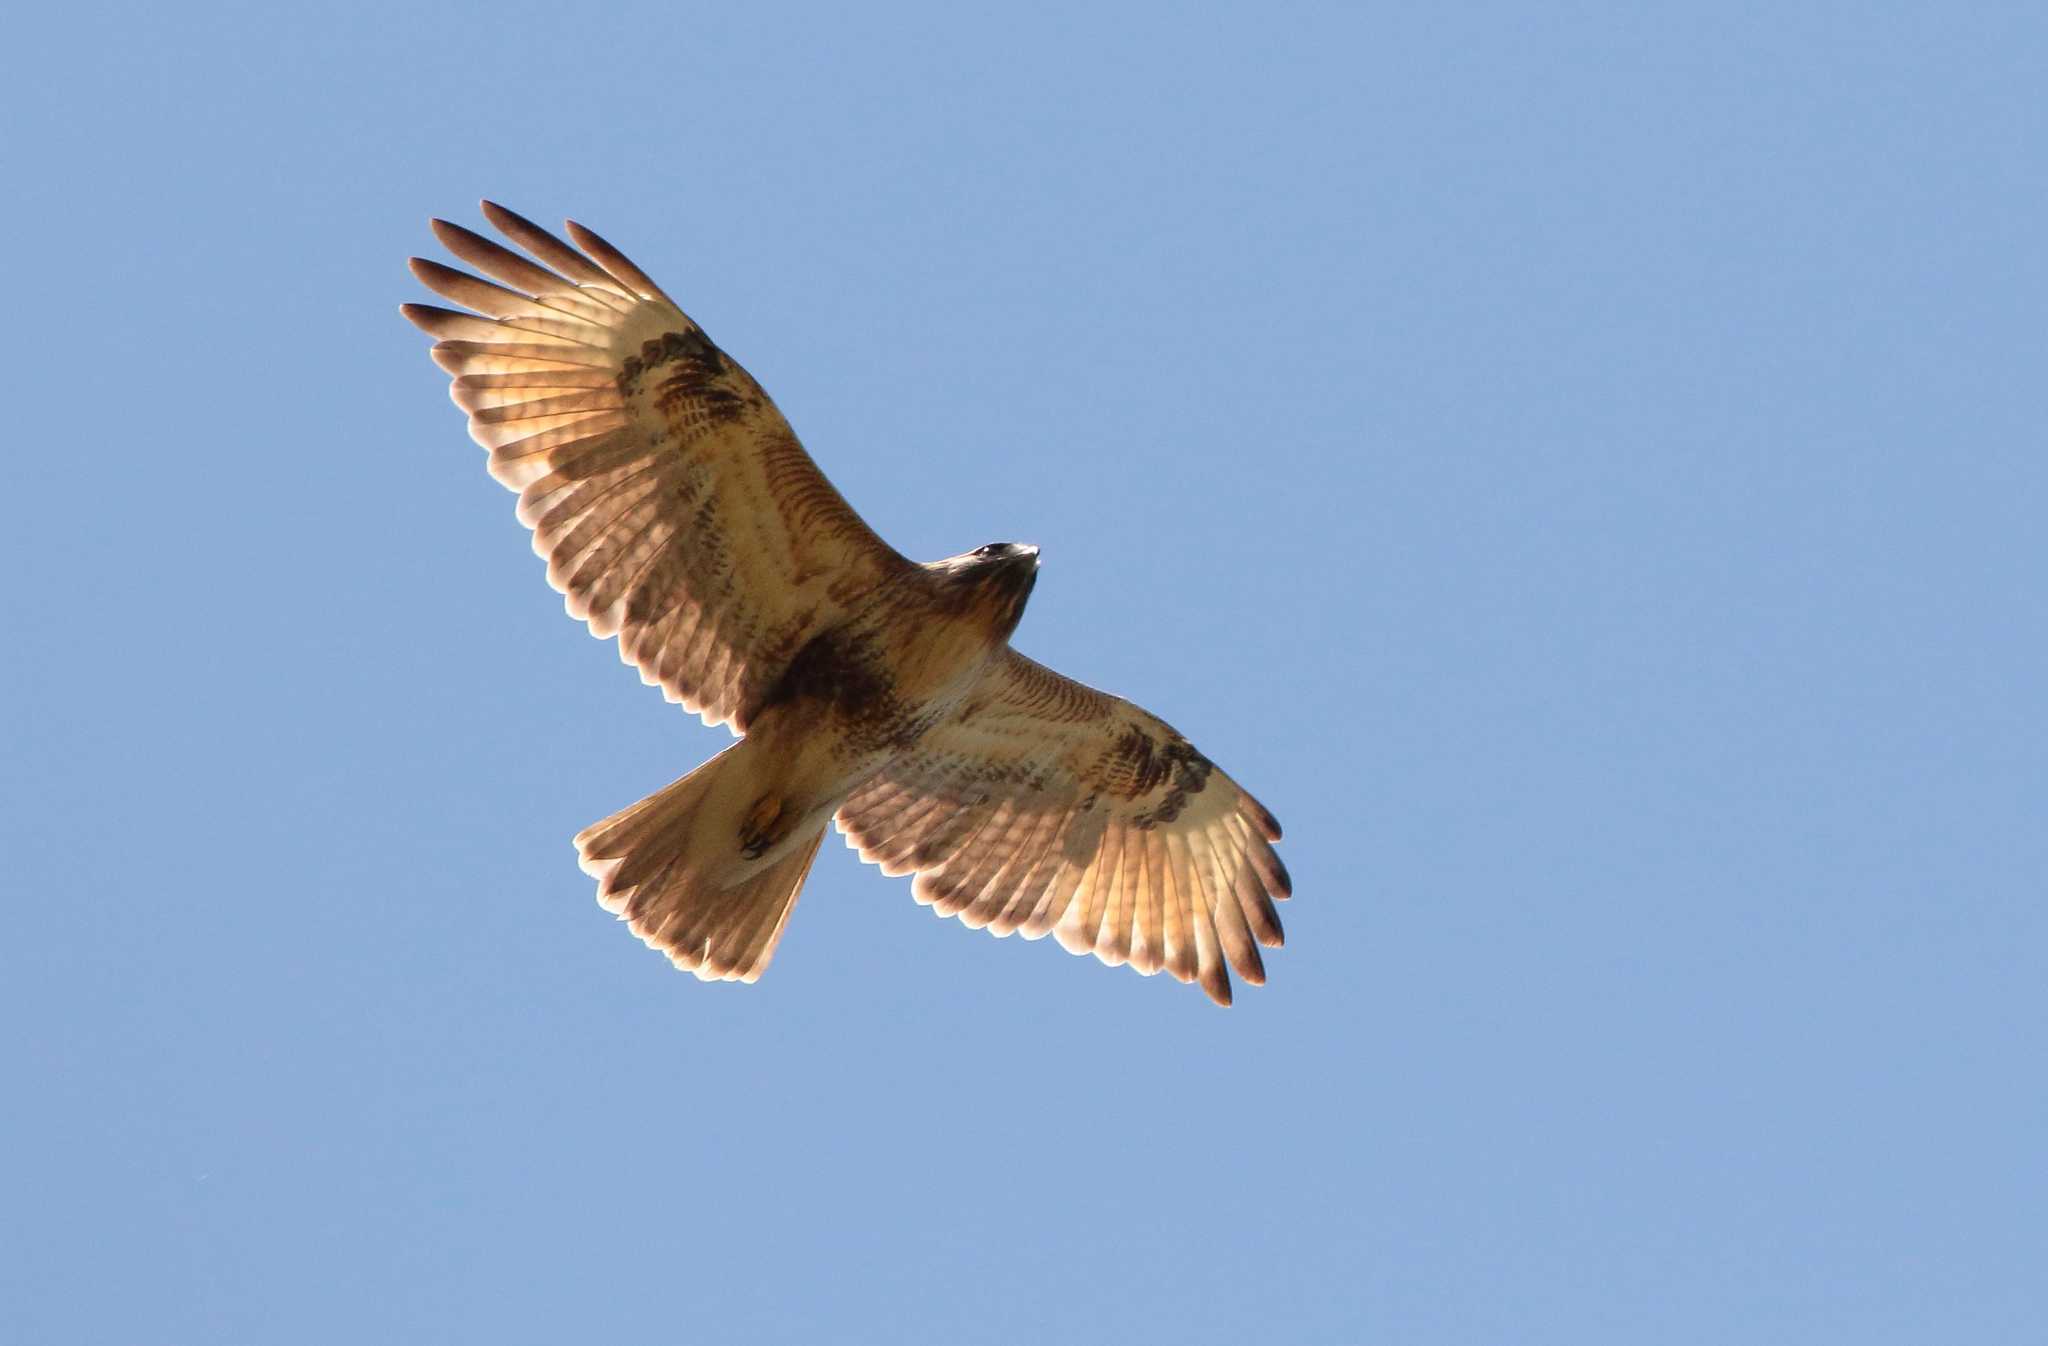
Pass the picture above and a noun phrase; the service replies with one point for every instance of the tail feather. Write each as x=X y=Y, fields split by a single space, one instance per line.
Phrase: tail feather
x=652 y=872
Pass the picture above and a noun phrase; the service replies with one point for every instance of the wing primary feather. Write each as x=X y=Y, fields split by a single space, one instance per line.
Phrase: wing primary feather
x=548 y=381
x=545 y=246
x=509 y=307
x=1232 y=930
x=1148 y=953
x=497 y=357
x=1120 y=907
x=553 y=291
x=1177 y=909
x=1271 y=872
x=496 y=260
x=1209 y=968
x=615 y=262
x=1253 y=899
x=1263 y=816
x=450 y=325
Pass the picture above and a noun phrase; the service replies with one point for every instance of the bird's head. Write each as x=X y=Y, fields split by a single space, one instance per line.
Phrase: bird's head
x=996 y=579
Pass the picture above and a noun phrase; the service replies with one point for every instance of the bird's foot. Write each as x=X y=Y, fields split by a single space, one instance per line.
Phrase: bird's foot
x=762 y=827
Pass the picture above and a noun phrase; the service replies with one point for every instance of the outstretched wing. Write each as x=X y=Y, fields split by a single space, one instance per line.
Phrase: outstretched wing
x=671 y=500
x=1048 y=807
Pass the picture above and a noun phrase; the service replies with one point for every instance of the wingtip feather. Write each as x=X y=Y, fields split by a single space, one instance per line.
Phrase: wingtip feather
x=423 y=316
x=619 y=265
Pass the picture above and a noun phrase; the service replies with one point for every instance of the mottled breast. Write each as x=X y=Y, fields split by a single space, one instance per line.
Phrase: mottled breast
x=883 y=678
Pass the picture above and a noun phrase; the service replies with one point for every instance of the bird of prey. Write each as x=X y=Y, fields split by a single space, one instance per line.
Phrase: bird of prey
x=677 y=512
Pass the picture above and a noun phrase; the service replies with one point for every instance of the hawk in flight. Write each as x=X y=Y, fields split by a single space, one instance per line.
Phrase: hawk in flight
x=677 y=511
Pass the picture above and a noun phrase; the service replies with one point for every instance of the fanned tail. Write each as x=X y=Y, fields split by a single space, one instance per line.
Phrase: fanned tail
x=655 y=870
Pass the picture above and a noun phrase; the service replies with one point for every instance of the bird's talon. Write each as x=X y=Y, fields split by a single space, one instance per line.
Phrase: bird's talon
x=760 y=829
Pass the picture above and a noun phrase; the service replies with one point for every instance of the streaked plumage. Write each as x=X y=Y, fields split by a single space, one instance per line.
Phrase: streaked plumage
x=677 y=511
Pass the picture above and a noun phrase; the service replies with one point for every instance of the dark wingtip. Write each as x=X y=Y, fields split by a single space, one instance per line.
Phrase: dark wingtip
x=501 y=217
x=444 y=229
x=506 y=218
x=1272 y=870
x=1278 y=933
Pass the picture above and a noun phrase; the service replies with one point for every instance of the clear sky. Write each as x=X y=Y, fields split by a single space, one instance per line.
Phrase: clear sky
x=1582 y=465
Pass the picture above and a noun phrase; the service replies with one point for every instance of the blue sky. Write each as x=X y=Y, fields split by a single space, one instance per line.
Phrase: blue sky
x=1581 y=465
